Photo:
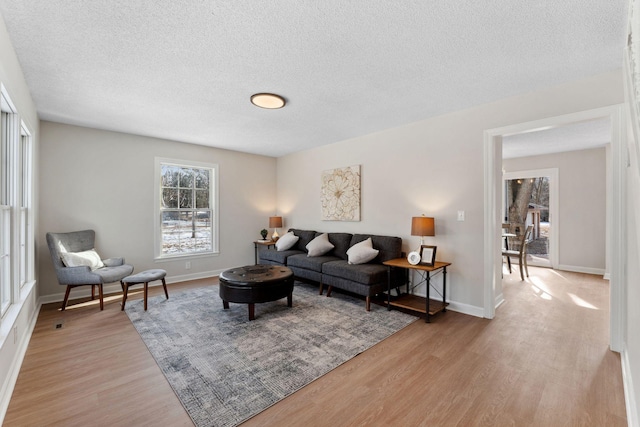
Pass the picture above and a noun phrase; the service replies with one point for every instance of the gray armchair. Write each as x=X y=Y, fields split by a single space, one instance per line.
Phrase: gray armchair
x=114 y=269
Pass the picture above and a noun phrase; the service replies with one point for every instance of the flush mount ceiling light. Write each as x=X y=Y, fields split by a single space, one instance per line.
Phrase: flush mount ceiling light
x=267 y=100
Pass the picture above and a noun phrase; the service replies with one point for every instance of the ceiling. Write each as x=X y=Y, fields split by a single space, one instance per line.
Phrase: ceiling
x=185 y=70
x=576 y=136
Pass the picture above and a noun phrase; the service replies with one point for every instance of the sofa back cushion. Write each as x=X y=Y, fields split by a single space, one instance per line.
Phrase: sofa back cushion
x=341 y=243
x=305 y=236
x=390 y=247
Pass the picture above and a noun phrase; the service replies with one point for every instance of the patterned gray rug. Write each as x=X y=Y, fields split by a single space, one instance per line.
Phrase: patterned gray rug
x=225 y=369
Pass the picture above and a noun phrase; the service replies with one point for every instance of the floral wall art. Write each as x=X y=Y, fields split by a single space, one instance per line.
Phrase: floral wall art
x=340 y=194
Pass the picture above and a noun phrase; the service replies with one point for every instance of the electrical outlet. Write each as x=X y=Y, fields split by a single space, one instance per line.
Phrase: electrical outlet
x=188 y=265
x=460 y=215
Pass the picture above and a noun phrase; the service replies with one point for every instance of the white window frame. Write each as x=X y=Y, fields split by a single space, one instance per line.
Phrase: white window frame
x=26 y=254
x=213 y=199
x=9 y=171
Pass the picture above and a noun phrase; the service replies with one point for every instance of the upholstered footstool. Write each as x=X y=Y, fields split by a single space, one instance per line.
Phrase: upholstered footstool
x=143 y=277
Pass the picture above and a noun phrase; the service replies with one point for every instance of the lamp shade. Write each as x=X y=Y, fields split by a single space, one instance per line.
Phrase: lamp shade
x=422 y=226
x=275 y=221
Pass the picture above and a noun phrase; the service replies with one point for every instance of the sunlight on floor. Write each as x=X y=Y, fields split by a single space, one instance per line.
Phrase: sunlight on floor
x=582 y=303
x=540 y=288
x=106 y=298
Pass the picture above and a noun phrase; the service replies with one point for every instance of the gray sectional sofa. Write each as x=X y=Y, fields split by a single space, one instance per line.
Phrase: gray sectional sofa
x=333 y=269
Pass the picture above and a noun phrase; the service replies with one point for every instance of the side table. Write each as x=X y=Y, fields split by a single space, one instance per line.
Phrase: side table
x=267 y=243
x=414 y=302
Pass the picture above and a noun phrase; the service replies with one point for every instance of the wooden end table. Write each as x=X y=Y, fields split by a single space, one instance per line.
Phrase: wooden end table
x=267 y=243
x=413 y=302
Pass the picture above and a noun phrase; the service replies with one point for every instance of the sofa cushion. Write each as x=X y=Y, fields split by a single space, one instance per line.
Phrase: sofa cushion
x=319 y=246
x=367 y=274
x=305 y=237
x=362 y=252
x=286 y=242
x=342 y=242
x=279 y=257
x=310 y=263
x=389 y=247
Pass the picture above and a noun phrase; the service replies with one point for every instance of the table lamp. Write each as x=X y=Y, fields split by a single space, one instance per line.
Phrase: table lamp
x=422 y=226
x=275 y=222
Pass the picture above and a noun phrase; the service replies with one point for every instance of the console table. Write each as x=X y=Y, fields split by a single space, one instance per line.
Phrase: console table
x=414 y=302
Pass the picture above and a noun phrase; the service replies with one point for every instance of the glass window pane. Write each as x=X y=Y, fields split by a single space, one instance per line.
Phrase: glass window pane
x=169 y=198
x=186 y=199
x=186 y=178
x=170 y=175
x=202 y=179
x=202 y=199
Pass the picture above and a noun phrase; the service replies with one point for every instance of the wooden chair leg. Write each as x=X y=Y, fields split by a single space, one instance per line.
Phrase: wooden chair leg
x=164 y=285
x=321 y=289
x=526 y=267
x=66 y=297
x=329 y=289
x=368 y=303
x=521 y=268
x=146 y=292
x=125 y=291
x=101 y=296
x=93 y=292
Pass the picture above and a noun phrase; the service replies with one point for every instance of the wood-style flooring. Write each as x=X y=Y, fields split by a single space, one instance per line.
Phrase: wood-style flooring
x=543 y=361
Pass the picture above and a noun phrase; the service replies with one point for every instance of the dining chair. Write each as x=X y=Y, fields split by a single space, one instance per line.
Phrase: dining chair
x=520 y=252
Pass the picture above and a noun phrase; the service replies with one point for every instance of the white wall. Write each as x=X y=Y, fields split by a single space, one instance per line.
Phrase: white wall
x=582 y=205
x=105 y=181
x=435 y=167
x=16 y=326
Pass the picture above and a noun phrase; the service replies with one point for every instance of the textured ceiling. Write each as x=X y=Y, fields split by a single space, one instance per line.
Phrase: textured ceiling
x=184 y=70
x=576 y=136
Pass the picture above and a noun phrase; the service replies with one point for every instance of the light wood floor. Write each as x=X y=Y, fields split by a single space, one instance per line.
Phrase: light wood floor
x=543 y=361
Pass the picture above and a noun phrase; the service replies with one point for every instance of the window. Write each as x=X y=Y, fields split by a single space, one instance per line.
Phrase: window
x=26 y=248
x=186 y=208
x=7 y=174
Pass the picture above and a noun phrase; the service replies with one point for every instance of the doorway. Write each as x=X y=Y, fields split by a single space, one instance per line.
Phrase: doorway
x=540 y=188
x=616 y=208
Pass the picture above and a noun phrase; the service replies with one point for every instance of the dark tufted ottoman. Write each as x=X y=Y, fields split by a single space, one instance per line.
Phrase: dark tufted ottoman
x=256 y=283
x=143 y=277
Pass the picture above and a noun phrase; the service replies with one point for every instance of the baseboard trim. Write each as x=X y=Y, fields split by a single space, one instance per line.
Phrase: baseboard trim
x=629 y=393
x=576 y=269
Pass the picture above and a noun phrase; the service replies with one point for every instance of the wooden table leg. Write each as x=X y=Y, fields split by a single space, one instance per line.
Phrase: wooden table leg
x=225 y=305
x=290 y=300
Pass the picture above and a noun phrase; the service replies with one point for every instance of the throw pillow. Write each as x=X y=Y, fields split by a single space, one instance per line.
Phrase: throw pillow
x=88 y=258
x=320 y=245
x=362 y=252
x=287 y=241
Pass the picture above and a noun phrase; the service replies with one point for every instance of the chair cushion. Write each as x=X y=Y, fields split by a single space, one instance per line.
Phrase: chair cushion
x=319 y=246
x=114 y=274
x=313 y=263
x=88 y=258
x=367 y=274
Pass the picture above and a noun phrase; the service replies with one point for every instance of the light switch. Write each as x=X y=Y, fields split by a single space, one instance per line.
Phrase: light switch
x=460 y=215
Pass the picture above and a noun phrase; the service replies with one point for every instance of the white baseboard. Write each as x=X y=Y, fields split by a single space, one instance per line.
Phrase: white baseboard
x=471 y=310
x=629 y=393
x=576 y=269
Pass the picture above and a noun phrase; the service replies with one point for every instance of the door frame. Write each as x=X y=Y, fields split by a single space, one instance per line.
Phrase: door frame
x=616 y=209
x=554 y=205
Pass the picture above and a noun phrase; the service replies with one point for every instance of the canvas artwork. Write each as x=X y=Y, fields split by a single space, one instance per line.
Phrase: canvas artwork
x=340 y=194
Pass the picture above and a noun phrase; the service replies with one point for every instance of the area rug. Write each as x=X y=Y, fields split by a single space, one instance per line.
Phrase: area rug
x=225 y=368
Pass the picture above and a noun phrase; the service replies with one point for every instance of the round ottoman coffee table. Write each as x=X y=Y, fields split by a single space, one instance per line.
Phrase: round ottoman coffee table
x=255 y=284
